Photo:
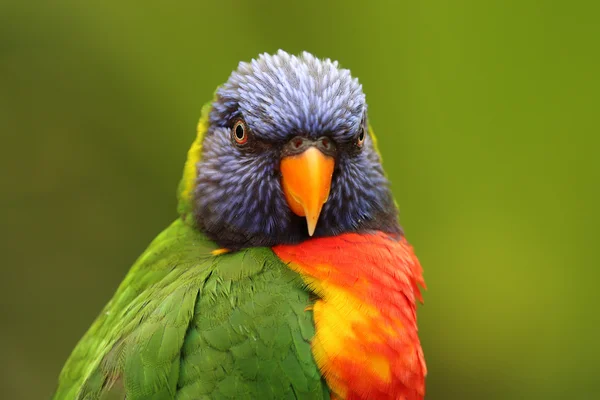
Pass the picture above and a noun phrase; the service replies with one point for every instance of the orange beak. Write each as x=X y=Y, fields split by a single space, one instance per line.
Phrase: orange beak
x=306 y=180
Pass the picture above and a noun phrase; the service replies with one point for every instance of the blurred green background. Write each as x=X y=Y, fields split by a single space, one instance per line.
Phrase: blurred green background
x=486 y=112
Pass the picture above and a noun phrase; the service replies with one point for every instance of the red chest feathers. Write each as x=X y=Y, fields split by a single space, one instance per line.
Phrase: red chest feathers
x=366 y=342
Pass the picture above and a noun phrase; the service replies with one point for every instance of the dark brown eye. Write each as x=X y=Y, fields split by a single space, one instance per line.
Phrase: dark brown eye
x=240 y=132
x=360 y=140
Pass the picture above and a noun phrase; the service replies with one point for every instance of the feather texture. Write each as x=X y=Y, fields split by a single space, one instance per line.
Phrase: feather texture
x=188 y=325
x=366 y=342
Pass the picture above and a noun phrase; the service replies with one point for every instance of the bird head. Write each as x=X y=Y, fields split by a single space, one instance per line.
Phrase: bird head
x=284 y=152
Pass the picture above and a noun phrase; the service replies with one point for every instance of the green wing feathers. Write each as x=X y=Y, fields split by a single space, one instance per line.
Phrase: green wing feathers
x=188 y=325
x=250 y=335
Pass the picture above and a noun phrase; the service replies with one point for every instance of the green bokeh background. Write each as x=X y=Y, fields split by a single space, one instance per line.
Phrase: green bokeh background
x=487 y=117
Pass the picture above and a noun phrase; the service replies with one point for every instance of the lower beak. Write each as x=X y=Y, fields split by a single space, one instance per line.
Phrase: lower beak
x=306 y=180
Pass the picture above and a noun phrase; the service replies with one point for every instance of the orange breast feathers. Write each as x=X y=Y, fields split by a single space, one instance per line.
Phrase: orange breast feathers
x=366 y=342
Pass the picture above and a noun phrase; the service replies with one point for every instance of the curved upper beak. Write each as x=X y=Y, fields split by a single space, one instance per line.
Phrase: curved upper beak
x=306 y=181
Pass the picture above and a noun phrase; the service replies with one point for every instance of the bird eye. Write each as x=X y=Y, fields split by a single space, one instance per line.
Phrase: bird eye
x=240 y=132
x=360 y=140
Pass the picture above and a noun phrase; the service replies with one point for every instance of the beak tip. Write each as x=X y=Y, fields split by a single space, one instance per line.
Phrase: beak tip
x=311 y=228
x=311 y=224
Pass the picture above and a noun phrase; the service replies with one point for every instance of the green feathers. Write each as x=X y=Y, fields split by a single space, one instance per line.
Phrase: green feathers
x=246 y=339
x=188 y=325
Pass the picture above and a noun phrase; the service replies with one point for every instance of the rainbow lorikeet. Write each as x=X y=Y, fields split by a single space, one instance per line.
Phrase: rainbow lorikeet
x=287 y=274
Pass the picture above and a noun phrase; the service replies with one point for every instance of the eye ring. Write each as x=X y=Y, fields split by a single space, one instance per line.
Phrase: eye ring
x=360 y=139
x=239 y=132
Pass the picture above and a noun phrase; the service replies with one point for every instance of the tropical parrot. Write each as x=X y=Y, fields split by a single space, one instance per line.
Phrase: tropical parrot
x=286 y=274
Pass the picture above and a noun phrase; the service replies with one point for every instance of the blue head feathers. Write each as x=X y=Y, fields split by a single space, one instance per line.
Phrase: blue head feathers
x=239 y=200
x=282 y=94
